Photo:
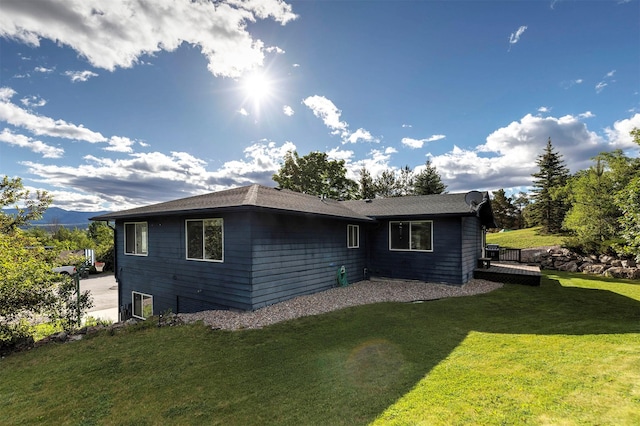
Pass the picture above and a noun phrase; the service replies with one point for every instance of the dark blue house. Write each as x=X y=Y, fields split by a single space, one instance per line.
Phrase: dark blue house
x=249 y=247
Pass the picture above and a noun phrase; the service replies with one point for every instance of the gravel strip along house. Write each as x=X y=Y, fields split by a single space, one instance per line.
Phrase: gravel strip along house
x=254 y=246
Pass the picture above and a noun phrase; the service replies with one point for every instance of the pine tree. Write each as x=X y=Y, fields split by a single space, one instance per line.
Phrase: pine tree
x=505 y=213
x=387 y=184
x=367 y=187
x=428 y=181
x=549 y=203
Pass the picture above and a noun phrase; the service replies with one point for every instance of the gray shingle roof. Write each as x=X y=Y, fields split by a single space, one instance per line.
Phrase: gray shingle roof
x=418 y=205
x=256 y=196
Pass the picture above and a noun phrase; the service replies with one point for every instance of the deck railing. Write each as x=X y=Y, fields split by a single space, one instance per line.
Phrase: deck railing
x=497 y=253
x=510 y=254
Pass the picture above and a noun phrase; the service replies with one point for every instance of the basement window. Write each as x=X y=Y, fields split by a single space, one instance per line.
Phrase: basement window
x=142 y=305
x=411 y=235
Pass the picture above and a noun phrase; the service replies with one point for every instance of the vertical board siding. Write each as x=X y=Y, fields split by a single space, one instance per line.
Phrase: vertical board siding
x=443 y=264
x=296 y=255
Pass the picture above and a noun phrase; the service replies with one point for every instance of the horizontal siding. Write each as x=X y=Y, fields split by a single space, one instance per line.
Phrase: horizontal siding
x=444 y=264
x=297 y=255
x=471 y=246
x=167 y=275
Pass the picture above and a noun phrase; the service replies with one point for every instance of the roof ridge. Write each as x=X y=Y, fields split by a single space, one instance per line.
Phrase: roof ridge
x=251 y=197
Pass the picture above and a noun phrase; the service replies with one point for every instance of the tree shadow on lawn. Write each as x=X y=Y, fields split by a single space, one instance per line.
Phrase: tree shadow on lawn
x=390 y=356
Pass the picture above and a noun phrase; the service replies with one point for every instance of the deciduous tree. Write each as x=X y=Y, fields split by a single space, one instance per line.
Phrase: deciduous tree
x=628 y=201
x=315 y=174
x=28 y=208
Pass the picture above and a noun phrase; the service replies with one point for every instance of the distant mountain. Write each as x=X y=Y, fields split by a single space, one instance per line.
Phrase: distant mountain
x=55 y=216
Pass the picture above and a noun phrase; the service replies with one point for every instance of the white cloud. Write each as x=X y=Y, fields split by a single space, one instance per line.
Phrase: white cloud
x=600 y=86
x=36 y=146
x=515 y=36
x=40 y=125
x=326 y=110
x=43 y=70
x=404 y=126
x=81 y=76
x=608 y=78
x=507 y=159
x=619 y=135
x=418 y=143
x=274 y=49
x=33 y=101
x=118 y=34
x=339 y=154
x=544 y=109
x=376 y=162
x=144 y=178
x=119 y=144
x=288 y=111
x=243 y=111
x=361 y=135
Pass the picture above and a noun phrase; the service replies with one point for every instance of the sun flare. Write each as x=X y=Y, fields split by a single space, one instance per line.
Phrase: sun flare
x=257 y=87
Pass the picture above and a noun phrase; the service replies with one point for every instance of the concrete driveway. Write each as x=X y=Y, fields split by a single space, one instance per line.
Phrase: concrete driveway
x=104 y=290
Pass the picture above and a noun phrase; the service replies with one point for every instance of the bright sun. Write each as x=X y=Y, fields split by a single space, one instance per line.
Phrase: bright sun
x=257 y=87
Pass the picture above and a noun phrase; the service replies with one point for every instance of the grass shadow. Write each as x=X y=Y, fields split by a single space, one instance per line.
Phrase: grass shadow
x=344 y=367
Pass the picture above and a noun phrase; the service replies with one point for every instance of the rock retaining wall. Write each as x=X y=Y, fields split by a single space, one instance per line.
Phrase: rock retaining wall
x=565 y=260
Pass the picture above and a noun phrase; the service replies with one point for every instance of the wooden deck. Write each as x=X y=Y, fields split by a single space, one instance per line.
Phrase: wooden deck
x=510 y=273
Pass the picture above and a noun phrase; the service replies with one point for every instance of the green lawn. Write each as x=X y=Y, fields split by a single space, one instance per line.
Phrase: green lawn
x=524 y=238
x=567 y=352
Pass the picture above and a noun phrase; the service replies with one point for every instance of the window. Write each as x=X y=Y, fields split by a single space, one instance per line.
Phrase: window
x=135 y=238
x=142 y=305
x=414 y=236
x=353 y=236
x=204 y=240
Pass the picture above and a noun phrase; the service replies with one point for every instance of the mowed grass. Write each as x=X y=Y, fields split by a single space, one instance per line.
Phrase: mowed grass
x=524 y=238
x=567 y=352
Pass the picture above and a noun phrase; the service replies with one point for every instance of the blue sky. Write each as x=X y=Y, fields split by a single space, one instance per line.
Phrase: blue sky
x=111 y=105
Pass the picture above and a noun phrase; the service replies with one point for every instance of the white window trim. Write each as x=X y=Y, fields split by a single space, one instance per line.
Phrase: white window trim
x=357 y=228
x=411 y=222
x=186 y=240
x=125 y=239
x=133 y=304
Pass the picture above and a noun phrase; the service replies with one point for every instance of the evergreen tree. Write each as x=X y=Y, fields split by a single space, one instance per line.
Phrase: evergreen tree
x=549 y=203
x=428 y=181
x=505 y=213
x=387 y=184
x=521 y=202
x=405 y=181
x=367 y=186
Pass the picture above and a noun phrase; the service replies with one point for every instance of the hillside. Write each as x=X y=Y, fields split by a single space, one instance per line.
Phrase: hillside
x=55 y=216
x=524 y=238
